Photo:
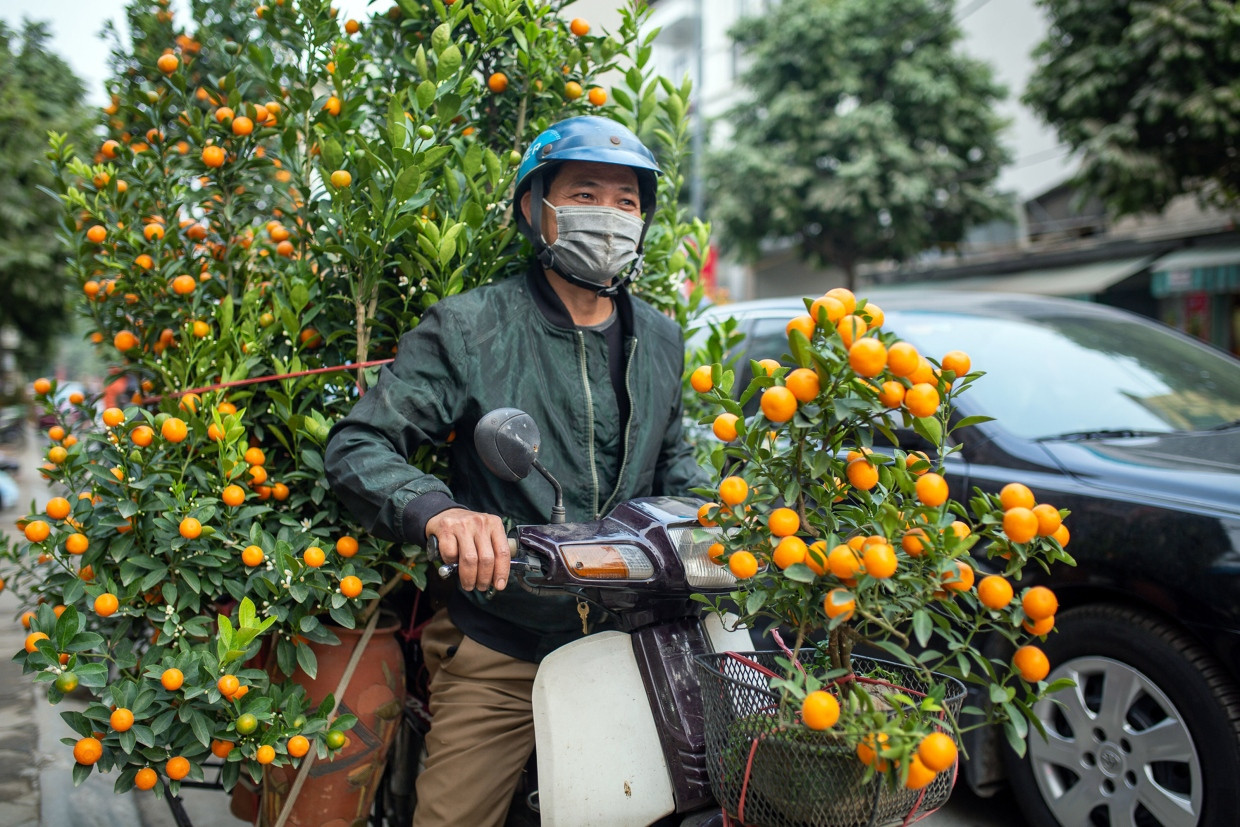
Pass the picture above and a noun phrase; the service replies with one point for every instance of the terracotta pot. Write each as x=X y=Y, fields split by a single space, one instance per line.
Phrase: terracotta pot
x=340 y=792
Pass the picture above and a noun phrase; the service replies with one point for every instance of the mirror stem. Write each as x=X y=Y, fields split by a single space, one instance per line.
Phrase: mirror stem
x=558 y=515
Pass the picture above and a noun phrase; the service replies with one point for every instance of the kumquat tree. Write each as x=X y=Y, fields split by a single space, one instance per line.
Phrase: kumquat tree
x=852 y=544
x=279 y=195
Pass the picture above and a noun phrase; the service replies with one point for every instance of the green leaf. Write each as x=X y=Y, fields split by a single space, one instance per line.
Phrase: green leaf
x=1015 y=740
x=398 y=130
x=84 y=642
x=128 y=739
x=407 y=184
x=245 y=613
x=202 y=729
x=929 y=428
x=78 y=722
x=74 y=591
x=923 y=627
x=67 y=625
x=307 y=661
x=472 y=162
x=446 y=109
x=972 y=420
x=286 y=656
x=1019 y=723
x=332 y=154
x=92 y=674
x=754 y=602
x=224 y=640
x=299 y=297
x=449 y=63
x=441 y=37
x=800 y=573
x=224 y=312
x=343 y=615
x=425 y=94
x=800 y=347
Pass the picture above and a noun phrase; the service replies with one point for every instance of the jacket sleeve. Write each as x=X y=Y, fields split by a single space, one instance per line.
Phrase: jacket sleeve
x=414 y=403
x=677 y=470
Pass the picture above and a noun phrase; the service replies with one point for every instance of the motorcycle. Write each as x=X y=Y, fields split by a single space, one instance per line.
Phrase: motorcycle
x=644 y=761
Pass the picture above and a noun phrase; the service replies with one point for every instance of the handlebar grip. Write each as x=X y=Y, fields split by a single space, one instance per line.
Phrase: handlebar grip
x=445 y=570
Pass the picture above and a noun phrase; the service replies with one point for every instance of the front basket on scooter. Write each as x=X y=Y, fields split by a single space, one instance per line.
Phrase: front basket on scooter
x=768 y=772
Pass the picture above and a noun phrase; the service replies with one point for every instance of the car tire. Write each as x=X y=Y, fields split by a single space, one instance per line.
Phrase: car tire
x=1149 y=736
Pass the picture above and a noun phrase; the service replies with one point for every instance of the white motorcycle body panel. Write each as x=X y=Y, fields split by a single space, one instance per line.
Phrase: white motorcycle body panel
x=725 y=635
x=599 y=758
x=600 y=761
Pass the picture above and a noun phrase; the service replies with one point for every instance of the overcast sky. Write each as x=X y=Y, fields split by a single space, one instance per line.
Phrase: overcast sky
x=1002 y=32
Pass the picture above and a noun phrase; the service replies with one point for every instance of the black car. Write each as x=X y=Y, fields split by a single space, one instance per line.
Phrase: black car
x=1135 y=428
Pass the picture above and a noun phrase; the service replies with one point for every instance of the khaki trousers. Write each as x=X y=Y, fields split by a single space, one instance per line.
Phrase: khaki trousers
x=482 y=729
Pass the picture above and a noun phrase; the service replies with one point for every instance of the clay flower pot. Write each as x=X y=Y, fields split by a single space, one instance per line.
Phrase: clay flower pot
x=340 y=792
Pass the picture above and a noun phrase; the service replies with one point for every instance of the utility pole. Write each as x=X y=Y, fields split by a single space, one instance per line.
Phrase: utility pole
x=696 y=198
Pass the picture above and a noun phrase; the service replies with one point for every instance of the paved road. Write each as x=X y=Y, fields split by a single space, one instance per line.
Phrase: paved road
x=35 y=768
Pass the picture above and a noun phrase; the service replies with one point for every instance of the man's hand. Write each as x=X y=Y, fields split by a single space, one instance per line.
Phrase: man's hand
x=476 y=543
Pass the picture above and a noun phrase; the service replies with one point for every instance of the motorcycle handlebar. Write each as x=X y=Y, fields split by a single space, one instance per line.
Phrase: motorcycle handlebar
x=446 y=570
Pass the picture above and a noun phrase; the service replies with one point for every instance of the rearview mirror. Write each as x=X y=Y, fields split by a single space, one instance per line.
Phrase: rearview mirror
x=507 y=441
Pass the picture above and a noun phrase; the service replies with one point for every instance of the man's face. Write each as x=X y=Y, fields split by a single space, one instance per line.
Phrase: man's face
x=587 y=184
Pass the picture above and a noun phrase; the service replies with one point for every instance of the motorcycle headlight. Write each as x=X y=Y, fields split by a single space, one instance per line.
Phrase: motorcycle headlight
x=692 y=543
x=607 y=561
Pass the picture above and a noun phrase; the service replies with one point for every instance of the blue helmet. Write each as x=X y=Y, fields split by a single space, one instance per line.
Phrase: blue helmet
x=586 y=138
x=589 y=138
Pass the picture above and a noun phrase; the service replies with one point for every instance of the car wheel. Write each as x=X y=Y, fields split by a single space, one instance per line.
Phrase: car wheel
x=1150 y=734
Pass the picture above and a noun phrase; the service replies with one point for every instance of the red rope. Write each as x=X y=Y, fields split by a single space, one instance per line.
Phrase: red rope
x=752 y=664
x=740 y=811
x=270 y=378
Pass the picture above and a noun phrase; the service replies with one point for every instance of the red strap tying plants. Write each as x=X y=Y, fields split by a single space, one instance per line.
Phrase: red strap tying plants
x=740 y=810
x=271 y=378
x=736 y=656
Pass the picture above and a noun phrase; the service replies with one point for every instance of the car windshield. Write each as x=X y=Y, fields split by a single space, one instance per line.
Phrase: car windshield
x=1074 y=375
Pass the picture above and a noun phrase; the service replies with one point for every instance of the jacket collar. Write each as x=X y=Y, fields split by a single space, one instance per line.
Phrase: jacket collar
x=554 y=311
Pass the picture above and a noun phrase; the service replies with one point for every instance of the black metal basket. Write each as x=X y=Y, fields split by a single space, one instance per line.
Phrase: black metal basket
x=768 y=774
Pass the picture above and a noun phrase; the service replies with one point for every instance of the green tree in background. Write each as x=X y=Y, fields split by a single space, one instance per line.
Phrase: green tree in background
x=1148 y=93
x=865 y=134
x=38 y=94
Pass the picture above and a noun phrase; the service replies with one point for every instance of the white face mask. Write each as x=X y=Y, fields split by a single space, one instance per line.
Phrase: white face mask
x=595 y=244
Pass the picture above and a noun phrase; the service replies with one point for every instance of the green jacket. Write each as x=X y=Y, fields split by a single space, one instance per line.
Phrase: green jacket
x=512 y=344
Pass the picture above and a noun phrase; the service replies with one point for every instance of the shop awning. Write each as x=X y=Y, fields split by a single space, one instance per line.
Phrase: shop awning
x=1075 y=280
x=1197 y=269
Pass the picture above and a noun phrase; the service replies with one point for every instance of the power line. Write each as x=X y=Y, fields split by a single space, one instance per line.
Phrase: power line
x=977 y=5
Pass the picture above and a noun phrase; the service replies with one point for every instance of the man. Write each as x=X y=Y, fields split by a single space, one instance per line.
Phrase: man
x=599 y=371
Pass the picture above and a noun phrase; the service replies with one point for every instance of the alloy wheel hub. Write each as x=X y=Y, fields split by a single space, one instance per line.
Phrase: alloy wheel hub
x=1118 y=752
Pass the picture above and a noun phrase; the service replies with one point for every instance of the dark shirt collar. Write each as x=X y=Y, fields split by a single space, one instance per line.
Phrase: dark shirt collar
x=549 y=304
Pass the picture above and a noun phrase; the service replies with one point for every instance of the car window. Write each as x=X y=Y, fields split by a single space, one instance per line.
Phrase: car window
x=1068 y=374
x=767 y=339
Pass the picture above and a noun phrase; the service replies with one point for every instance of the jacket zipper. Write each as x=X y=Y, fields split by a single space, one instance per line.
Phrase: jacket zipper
x=628 y=427
x=585 y=382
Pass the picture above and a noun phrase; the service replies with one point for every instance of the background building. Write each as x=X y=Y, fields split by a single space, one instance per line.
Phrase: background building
x=1181 y=266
